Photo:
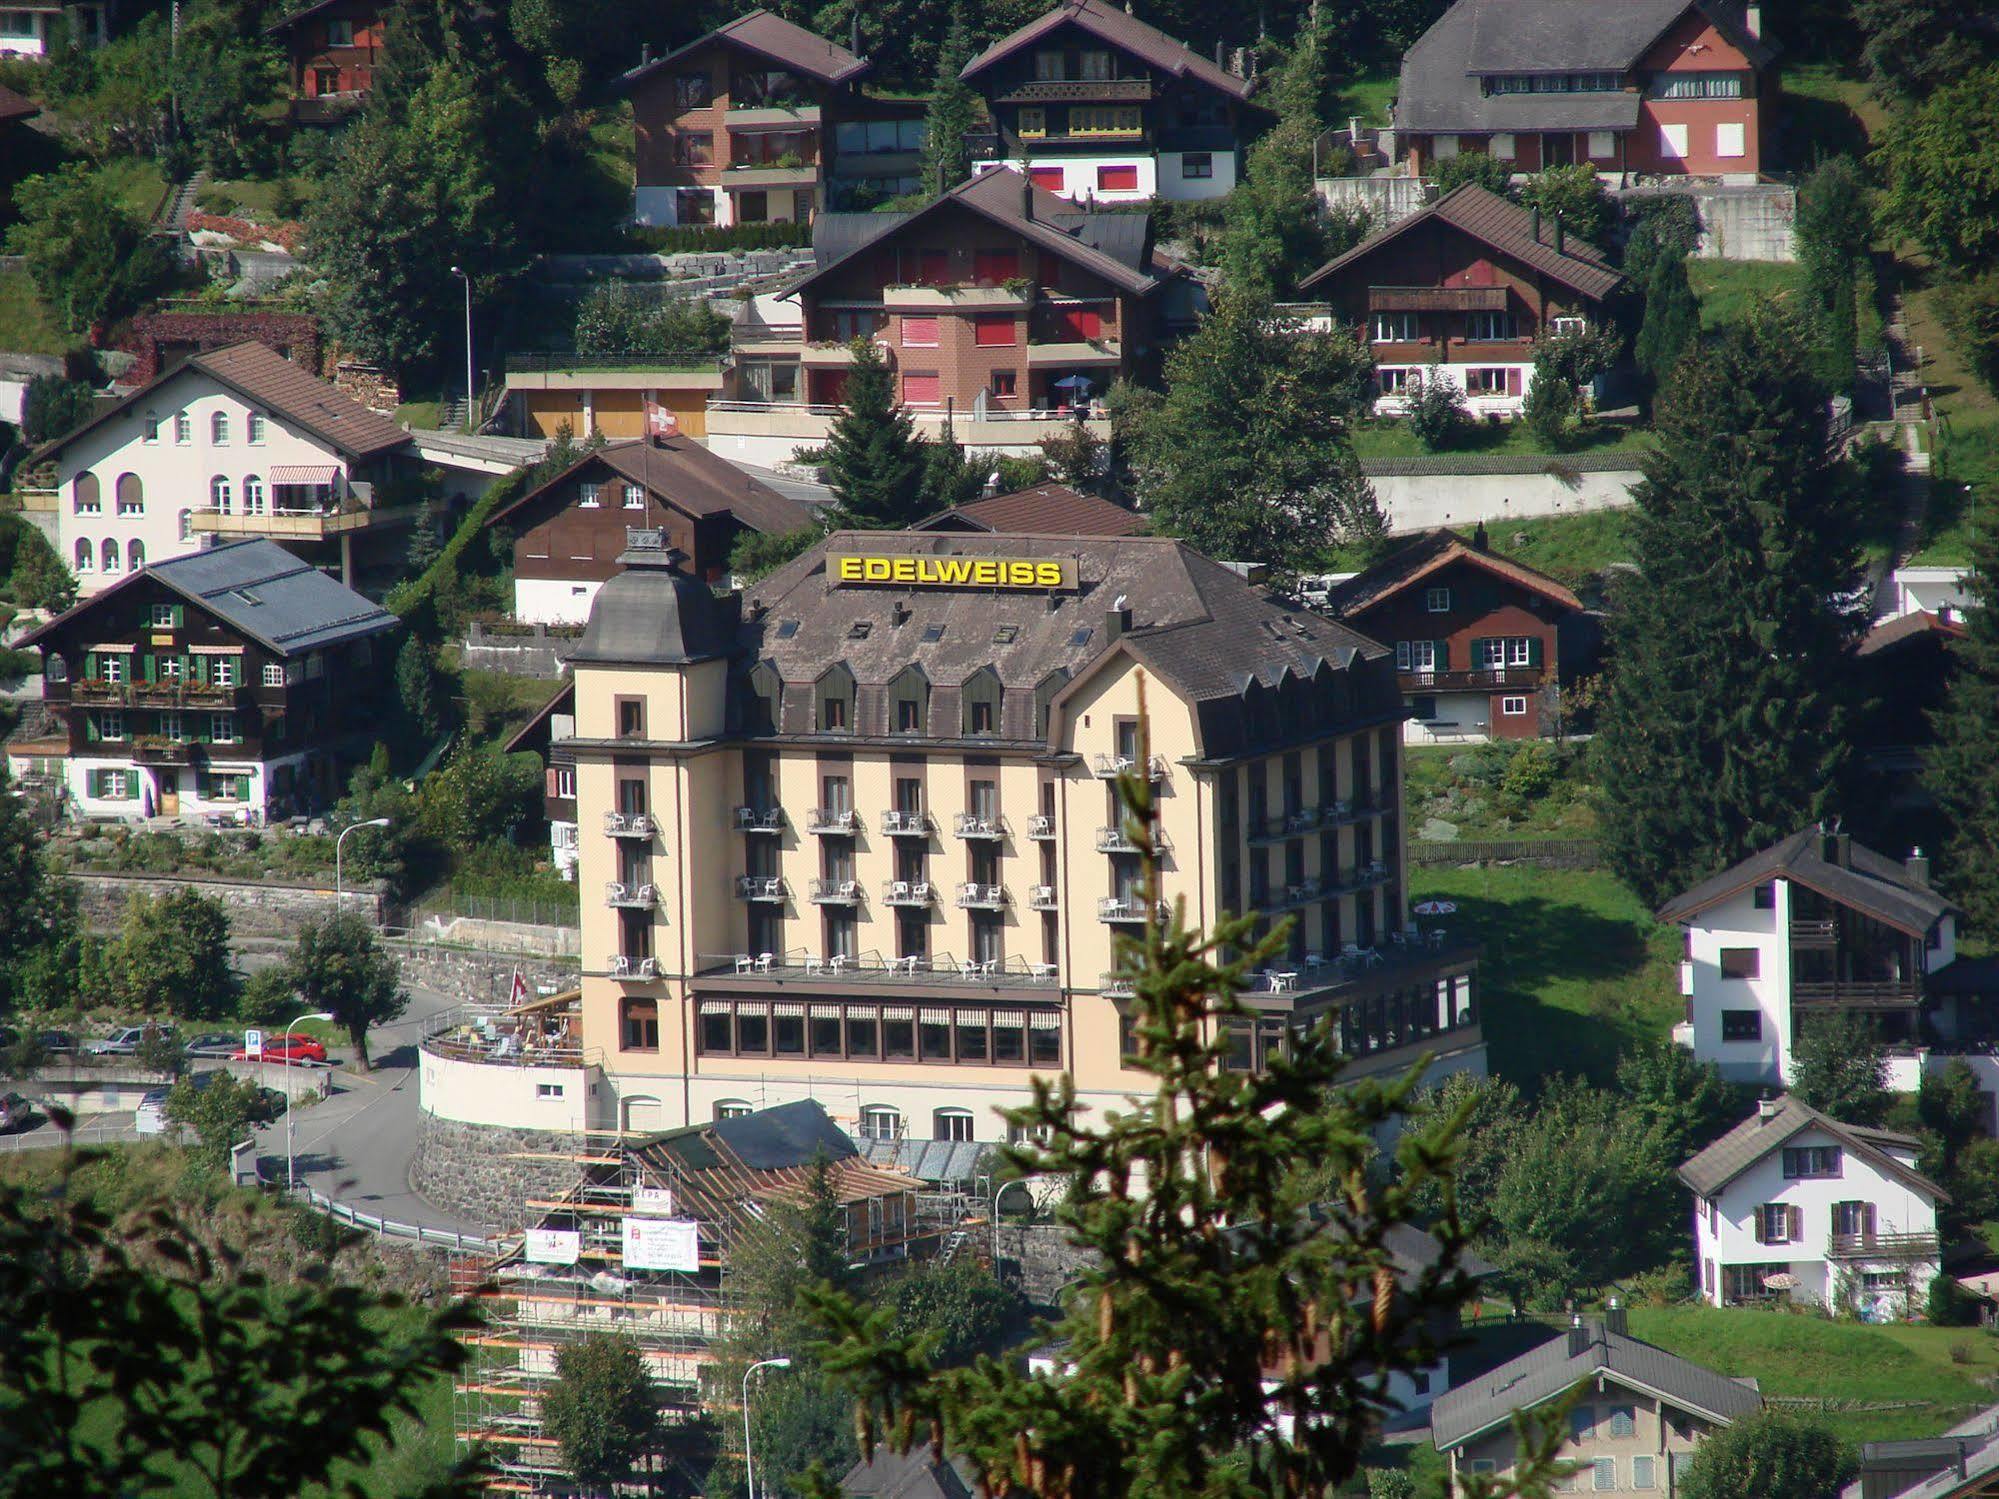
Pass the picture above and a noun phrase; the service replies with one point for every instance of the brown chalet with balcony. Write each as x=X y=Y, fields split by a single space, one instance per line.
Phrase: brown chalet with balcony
x=332 y=50
x=569 y=533
x=232 y=684
x=1478 y=639
x=752 y=123
x=999 y=307
x=1460 y=291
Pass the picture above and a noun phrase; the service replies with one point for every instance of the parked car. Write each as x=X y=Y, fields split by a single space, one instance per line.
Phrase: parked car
x=126 y=1040
x=152 y=1116
x=15 y=1112
x=269 y=1103
x=58 y=1041
x=214 y=1044
x=292 y=1047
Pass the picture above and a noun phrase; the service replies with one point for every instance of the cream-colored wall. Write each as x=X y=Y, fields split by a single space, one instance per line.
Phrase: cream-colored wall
x=490 y=1093
x=1651 y=1436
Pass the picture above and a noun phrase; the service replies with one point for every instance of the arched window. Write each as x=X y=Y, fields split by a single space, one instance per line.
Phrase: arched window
x=953 y=1124
x=88 y=501
x=253 y=494
x=880 y=1122
x=131 y=495
x=83 y=555
x=909 y=702
x=187 y=525
x=218 y=428
x=108 y=553
x=135 y=555
x=833 y=701
x=981 y=697
x=218 y=494
x=730 y=1108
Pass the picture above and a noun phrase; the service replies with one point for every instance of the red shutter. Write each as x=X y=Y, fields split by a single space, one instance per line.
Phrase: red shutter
x=1122 y=179
x=1049 y=178
x=919 y=332
x=1080 y=323
x=1513 y=381
x=994 y=267
x=921 y=390
x=995 y=330
x=551 y=784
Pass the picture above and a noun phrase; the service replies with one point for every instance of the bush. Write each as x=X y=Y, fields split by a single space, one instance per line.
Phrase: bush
x=1971 y=317
x=1488 y=171
x=1950 y=1305
x=1438 y=414
x=616 y=319
x=1530 y=775
x=1574 y=198
x=52 y=406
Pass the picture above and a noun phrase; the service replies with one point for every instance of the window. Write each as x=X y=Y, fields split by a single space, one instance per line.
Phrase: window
x=1568 y=327
x=631 y=717
x=1485 y=380
x=1673 y=141
x=1742 y=1025
x=589 y=494
x=274 y=675
x=1004 y=383
x=1120 y=119
x=1804 y=1162
x=995 y=330
x=1604 y=1475
x=1644 y=1472
x=107 y=555
x=731 y=1108
x=753 y=207
x=694 y=148
x=113 y=785
x=640 y=1028
x=690 y=91
x=1777 y=1223
x=339 y=33
x=114 y=668
x=1117 y=179
x=253 y=494
x=222 y=728
x=1417 y=655
x=1503 y=147
x=1437 y=600
x=1740 y=962
x=1392 y=382
x=1488 y=326
x=880 y=1123
x=1764 y=896
x=183 y=427
x=954 y=1124
x=110 y=726
x=1032 y=123
x=86 y=499
x=1582 y=1422
x=1093 y=65
x=921 y=388
x=131 y=495
x=1197 y=165
x=83 y=556
x=1396 y=328
x=1623 y=1420
x=635 y=497
x=1048 y=67
x=1048 y=179
x=218 y=429
x=1853 y=1220
x=135 y=555
x=223 y=672
x=1513 y=707
x=1698 y=86
x=1729 y=139
x=256 y=425
x=218 y=495
x=919 y=333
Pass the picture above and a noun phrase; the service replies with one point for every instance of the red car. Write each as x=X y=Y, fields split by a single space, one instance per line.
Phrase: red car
x=294 y=1047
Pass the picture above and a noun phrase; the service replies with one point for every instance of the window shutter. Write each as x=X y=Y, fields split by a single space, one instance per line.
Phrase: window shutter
x=1513 y=381
x=550 y=778
x=93 y=779
x=1867 y=1220
x=1402 y=655
x=148 y=664
x=1443 y=655
x=1794 y=1224
x=1761 y=1238
x=1534 y=650
x=90 y=666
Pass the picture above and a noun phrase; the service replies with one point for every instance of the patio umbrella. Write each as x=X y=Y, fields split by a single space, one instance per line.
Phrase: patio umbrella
x=1074 y=382
x=1435 y=907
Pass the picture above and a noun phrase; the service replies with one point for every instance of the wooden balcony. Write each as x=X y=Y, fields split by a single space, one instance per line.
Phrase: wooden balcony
x=1814 y=933
x=1856 y=994
x=1882 y=1247
x=1436 y=299
x=1079 y=91
x=1484 y=678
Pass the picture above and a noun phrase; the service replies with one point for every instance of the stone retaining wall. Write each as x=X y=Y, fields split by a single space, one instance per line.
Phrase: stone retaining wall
x=475 y=1170
x=256 y=909
x=480 y=976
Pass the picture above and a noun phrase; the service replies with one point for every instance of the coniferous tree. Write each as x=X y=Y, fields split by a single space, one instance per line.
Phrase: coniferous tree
x=1672 y=316
x=1276 y=231
x=875 y=463
x=1724 y=724
x=954 y=110
x=1963 y=768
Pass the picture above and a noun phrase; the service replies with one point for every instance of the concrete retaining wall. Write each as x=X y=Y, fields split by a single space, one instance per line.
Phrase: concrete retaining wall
x=476 y=1172
x=1417 y=502
x=261 y=909
x=521 y=654
x=1741 y=222
x=503 y=936
x=111 y=1090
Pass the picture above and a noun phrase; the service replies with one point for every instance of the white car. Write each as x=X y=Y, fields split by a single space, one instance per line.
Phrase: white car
x=152 y=1116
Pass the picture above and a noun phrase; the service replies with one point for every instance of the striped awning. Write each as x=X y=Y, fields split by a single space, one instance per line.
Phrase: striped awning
x=305 y=474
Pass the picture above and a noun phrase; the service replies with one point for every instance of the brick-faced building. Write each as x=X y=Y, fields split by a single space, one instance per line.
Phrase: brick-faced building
x=569 y=532
x=1465 y=286
x=237 y=682
x=1634 y=88
x=1478 y=639
x=332 y=49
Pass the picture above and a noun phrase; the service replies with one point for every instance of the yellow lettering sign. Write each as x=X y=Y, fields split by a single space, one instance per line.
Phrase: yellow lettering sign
x=952 y=572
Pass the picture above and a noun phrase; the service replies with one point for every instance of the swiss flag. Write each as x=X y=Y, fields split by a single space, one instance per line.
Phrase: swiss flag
x=519 y=992
x=660 y=420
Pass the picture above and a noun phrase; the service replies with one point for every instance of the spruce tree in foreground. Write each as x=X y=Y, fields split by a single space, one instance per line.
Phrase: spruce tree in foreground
x=1963 y=769
x=1197 y=1277
x=875 y=463
x=1723 y=730
x=954 y=110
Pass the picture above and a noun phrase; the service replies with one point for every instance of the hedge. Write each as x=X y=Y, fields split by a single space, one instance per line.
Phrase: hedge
x=670 y=239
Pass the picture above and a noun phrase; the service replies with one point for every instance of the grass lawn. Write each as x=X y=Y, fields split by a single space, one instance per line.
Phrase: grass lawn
x=1848 y=1367
x=1456 y=783
x=26 y=324
x=256 y=200
x=1391 y=439
x=136 y=183
x=1575 y=969
x=1366 y=98
x=1967 y=434
x=1727 y=289
x=1569 y=547
x=1827 y=111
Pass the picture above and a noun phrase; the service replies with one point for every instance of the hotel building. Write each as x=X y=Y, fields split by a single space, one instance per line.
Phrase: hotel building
x=855 y=835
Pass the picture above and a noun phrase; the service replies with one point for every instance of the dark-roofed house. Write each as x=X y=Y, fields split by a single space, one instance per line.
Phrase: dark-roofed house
x=1638 y=87
x=31 y=28
x=1640 y=1412
x=1104 y=107
x=752 y=122
x=569 y=532
x=233 y=442
x=920 y=1473
x=553 y=723
x=333 y=48
x=1043 y=510
x=1000 y=307
x=231 y=684
x=1794 y=1204
x=14 y=108
x=854 y=834
x=1478 y=639
x=1464 y=287
x=1814 y=925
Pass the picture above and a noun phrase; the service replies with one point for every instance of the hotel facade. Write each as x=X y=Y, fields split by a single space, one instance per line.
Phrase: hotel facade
x=855 y=835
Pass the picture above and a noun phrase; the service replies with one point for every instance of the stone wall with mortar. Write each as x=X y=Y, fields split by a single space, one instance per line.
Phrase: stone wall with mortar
x=260 y=909
x=477 y=1171
x=481 y=976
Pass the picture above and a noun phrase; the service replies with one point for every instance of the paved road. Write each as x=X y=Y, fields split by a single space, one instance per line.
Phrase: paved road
x=356 y=1144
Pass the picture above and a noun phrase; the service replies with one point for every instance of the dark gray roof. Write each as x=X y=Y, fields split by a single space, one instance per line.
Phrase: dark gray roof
x=1558 y=1365
x=1879 y=887
x=772 y=37
x=1776 y=1122
x=261 y=590
x=653 y=614
x=835 y=235
x=791 y=1134
x=1964 y=1460
x=927 y=1160
x=684 y=474
x=916 y=1474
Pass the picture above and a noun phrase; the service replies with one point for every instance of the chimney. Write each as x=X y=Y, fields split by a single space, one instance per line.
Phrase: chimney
x=1117 y=619
x=899 y=614
x=1918 y=865
x=1614 y=1320
x=1218 y=52
x=1752 y=20
x=645 y=54
x=1842 y=850
x=1534 y=222
x=1766 y=1109
x=1026 y=194
x=1558 y=236
x=1578 y=1336
x=1480 y=542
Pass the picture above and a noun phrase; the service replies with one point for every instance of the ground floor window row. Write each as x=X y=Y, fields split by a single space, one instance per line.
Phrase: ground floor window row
x=1641 y=1473
x=964 y=1035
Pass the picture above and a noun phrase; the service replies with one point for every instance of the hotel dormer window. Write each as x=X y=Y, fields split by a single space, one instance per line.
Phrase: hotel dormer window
x=833 y=701
x=909 y=702
x=982 y=695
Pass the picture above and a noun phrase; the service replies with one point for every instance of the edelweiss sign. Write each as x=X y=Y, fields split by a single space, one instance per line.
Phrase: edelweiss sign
x=953 y=572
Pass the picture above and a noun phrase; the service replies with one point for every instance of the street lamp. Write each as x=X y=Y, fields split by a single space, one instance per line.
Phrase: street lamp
x=749 y=1466
x=308 y=1015
x=460 y=273
x=338 y=890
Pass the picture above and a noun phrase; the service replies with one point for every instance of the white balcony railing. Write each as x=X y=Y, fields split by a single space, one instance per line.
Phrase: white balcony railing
x=976 y=897
x=632 y=896
x=971 y=825
x=899 y=824
x=628 y=824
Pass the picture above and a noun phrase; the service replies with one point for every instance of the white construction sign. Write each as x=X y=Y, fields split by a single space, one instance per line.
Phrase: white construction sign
x=653 y=1201
x=554 y=1246
x=662 y=1244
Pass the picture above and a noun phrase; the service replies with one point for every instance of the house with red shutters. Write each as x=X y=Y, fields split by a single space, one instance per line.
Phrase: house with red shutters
x=333 y=49
x=1635 y=88
x=1000 y=308
x=1479 y=640
x=1459 y=291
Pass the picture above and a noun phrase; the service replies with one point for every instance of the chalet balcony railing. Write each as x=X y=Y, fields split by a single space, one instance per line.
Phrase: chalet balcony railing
x=95 y=690
x=1856 y=994
x=1474 y=678
x=1436 y=299
x=1810 y=932
x=1882 y=1246
x=1078 y=90
x=157 y=749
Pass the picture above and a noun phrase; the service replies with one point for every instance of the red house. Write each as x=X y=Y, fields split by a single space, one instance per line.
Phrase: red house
x=1477 y=638
x=333 y=48
x=1633 y=87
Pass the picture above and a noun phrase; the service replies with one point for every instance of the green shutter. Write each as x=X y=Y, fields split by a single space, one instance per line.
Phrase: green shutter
x=90 y=666
x=1534 y=651
x=201 y=670
x=180 y=615
x=1443 y=655
x=149 y=664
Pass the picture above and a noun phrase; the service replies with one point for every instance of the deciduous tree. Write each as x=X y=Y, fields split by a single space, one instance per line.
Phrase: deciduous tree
x=89 y=257
x=338 y=966
x=220 y=1114
x=1913 y=47
x=53 y=405
x=1572 y=197
x=1769 y=1455
x=602 y=1409
x=173 y=956
x=1481 y=167
x=1839 y=1068
x=1941 y=159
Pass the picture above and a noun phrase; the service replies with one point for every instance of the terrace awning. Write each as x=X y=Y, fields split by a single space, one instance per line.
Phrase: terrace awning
x=308 y=475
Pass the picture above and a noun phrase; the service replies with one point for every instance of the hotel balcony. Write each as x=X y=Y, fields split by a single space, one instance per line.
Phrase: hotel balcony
x=907 y=893
x=633 y=970
x=1041 y=898
x=906 y=824
x=760 y=887
x=1117 y=986
x=971 y=825
x=834 y=892
x=1041 y=827
x=833 y=821
x=1113 y=908
x=628 y=824
x=1109 y=767
x=631 y=897
x=976 y=897
x=1118 y=840
x=757 y=820
x=1316 y=819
